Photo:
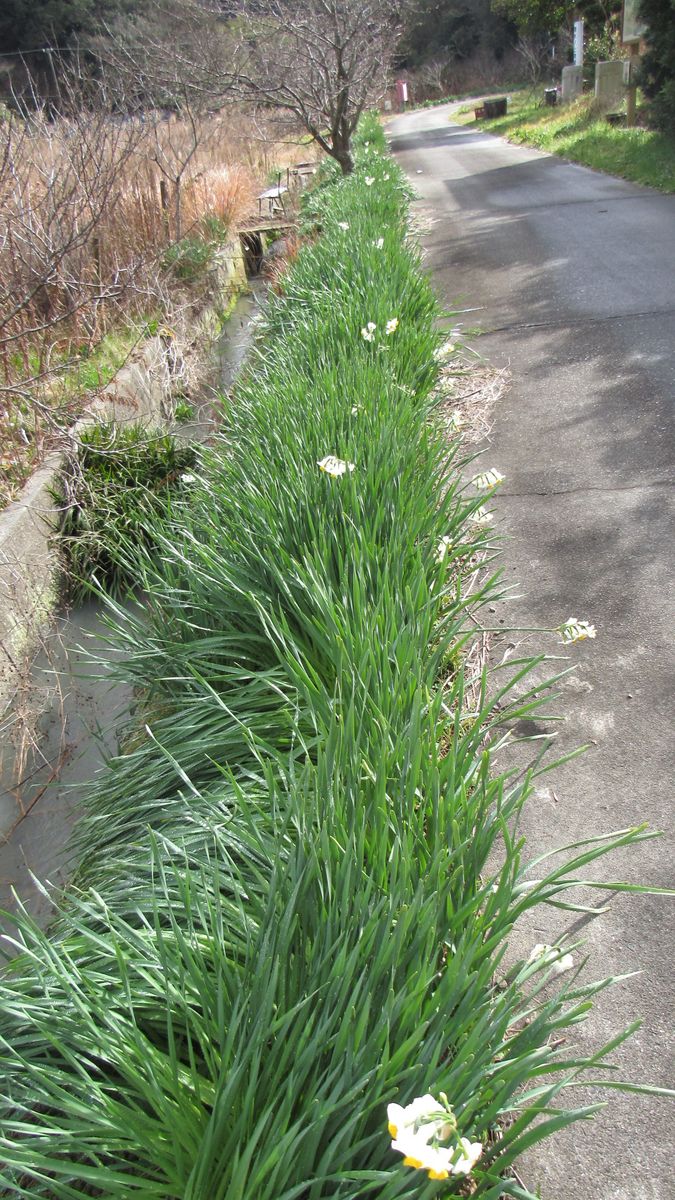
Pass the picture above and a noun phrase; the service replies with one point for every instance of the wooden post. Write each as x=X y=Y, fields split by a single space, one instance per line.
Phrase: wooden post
x=164 y=201
x=99 y=310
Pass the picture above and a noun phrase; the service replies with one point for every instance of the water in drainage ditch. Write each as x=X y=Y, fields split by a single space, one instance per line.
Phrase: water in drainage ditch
x=65 y=718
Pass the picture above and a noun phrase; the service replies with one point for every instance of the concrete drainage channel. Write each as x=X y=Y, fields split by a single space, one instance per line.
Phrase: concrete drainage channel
x=65 y=713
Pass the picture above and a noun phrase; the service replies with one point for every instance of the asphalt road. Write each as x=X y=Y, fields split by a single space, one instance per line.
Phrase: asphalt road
x=572 y=274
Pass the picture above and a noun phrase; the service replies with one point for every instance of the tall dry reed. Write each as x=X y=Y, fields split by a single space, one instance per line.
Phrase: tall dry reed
x=89 y=202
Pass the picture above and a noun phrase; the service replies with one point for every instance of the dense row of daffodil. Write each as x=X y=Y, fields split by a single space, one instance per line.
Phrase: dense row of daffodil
x=296 y=885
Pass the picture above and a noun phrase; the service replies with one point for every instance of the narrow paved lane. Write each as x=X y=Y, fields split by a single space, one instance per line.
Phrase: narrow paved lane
x=572 y=274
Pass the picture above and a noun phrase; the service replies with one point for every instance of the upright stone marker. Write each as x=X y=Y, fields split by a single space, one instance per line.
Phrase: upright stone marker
x=578 y=43
x=610 y=88
x=572 y=83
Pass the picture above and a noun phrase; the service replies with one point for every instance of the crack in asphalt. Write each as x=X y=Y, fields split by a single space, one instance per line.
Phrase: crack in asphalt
x=551 y=205
x=590 y=487
x=583 y=321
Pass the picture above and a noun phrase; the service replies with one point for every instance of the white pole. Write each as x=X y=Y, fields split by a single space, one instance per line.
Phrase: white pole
x=578 y=43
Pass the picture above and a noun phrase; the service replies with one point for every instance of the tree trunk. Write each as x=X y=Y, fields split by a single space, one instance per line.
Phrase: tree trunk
x=343 y=155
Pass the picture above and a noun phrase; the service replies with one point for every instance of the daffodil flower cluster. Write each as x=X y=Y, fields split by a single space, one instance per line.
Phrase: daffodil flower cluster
x=448 y=347
x=481 y=517
x=487 y=480
x=334 y=466
x=575 y=631
x=419 y=1127
x=368 y=331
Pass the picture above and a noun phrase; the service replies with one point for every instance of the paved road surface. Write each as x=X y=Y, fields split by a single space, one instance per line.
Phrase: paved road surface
x=574 y=276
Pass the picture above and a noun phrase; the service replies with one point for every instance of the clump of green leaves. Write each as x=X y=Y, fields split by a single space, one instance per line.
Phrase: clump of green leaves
x=215 y=228
x=297 y=886
x=189 y=258
x=119 y=479
x=184 y=411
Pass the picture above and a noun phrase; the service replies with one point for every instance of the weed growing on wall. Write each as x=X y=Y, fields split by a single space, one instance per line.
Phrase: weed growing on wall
x=118 y=480
x=281 y=971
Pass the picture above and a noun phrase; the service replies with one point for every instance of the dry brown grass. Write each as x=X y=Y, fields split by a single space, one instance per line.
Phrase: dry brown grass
x=89 y=204
x=469 y=389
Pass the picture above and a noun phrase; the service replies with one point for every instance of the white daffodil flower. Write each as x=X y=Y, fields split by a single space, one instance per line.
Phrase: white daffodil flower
x=444 y=351
x=487 y=480
x=369 y=181
x=481 y=517
x=440 y=1162
x=356 y=409
x=552 y=956
x=541 y=950
x=391 y=325
x=343 y=225
x=423 y=1110
x=187 y=478
x=575 y=631
x=385 y=177
x=456 y=420
x=379 y=244
x=334 y=466
x=416 y=1130
x=469 y=1153
x=435 y=1161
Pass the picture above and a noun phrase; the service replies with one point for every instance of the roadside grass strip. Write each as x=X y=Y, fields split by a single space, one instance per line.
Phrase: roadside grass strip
x=287 y=915
x=580 y=133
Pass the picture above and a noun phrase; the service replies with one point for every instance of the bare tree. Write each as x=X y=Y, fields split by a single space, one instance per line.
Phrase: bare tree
x=60 y=173
x=319 y=62
x=534 y=50
x=432 y=75
x=92 y=193
x=173 y=155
